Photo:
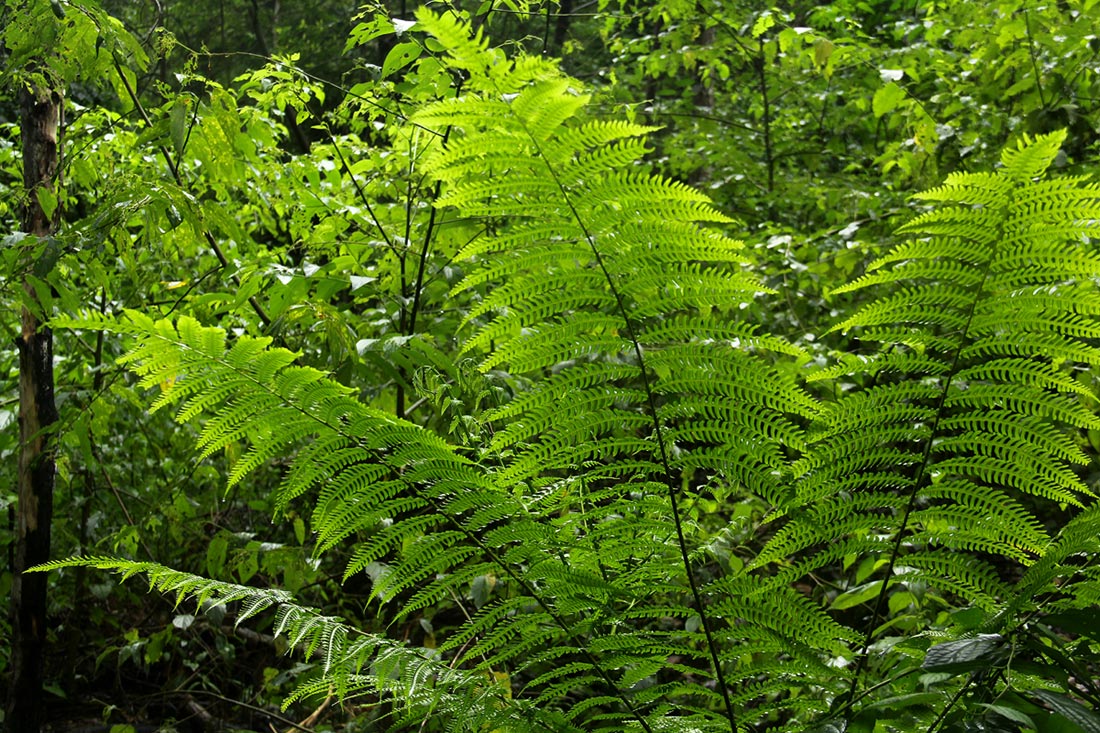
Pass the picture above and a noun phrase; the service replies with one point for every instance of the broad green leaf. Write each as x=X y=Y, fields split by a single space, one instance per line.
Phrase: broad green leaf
x=368 y=31
x=886 y=99
x=1011 y=713
x=400 y=27
x=856 y=596
x=481 y=588
x=1076 y=621
x=399 y=57
x=183 y=621
x=358 y=281
x=1087 y=720
x=215 y=555
x=913 y=699
x=178 y=127
x=830 y=726
x=51 y=253
x=900 y=601
x=47 y=199
x=248 y=565
x=966 y=655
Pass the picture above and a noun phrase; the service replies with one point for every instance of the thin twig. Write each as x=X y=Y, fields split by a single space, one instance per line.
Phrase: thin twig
x=173 y=167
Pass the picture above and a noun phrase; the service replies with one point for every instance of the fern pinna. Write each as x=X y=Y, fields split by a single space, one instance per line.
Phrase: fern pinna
x=645 y=396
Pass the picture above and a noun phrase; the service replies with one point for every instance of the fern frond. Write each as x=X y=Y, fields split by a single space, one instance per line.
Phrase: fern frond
x=604 y=280
x=352 y=662
x=183 y=585
x=612 y=299
x=968 y=430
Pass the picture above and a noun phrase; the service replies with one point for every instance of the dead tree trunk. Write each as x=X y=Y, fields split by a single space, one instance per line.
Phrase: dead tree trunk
x=40 y=119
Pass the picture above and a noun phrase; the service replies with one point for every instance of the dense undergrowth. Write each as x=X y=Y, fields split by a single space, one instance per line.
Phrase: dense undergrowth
x=602 y=489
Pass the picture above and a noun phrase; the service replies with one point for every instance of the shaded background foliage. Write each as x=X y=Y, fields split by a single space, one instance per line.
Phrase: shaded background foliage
x=811 y=123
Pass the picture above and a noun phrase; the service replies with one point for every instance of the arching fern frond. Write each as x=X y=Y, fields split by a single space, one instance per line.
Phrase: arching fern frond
x=406 y=498
x=606 y=287
x=612 y=299
x=352 y=662
x=944 y=468
x=604 y=276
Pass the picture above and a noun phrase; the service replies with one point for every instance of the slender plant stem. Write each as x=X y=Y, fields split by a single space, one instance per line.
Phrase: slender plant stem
x=1034 y=63
x=173 y=167
x=769 y=157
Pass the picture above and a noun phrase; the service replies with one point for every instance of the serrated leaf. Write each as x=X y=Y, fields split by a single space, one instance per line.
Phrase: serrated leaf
x=762 y=24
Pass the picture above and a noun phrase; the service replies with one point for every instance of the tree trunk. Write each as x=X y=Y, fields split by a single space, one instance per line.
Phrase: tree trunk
x=40 y=119
x=561 y=27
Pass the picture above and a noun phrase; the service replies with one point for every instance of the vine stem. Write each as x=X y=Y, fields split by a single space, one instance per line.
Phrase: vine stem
x=769 y=158
x=1034 y=63
x=422 y=267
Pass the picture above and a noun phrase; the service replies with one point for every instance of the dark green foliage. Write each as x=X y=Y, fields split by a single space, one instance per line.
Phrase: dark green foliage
x=565 y=523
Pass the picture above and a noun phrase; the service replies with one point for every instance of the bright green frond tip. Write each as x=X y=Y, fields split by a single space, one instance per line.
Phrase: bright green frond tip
x=1031 y=157
x=183 y=585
